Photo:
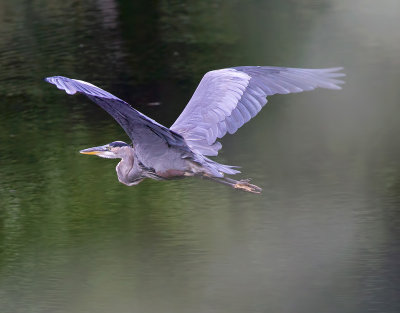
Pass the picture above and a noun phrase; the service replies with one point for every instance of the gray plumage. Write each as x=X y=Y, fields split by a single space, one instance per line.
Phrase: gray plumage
x=224 y=100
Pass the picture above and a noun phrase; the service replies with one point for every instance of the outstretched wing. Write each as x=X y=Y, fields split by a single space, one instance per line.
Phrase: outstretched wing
x=226 y=99
x=148 y=136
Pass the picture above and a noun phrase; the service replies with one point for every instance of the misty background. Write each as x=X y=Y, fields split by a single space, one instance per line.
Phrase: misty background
x=322 y=237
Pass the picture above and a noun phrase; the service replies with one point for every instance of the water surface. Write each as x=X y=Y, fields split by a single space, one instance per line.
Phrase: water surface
x=323 y=236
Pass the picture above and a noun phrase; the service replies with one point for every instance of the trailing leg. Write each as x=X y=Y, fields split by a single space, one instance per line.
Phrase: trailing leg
x=236 y=184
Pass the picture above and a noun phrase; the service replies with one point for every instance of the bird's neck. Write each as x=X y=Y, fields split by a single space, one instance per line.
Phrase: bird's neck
x=127 y=169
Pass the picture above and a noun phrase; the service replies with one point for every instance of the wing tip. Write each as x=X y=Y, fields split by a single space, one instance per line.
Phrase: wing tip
x=51 y=79
x=336 y=87
x=62 y=83
x=334 y=72
x=334 y=69
x=330 y=76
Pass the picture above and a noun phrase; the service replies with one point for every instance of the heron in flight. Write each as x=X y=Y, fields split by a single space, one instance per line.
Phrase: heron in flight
x=224 y=100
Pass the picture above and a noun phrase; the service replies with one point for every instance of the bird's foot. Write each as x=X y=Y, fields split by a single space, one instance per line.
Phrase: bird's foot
x=246 y=186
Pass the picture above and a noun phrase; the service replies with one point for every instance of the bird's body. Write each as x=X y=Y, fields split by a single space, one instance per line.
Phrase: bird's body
x=224 y=100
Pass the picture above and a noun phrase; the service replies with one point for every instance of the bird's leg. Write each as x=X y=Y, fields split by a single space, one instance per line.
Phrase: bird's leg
x=237 y=184
x=244 y=184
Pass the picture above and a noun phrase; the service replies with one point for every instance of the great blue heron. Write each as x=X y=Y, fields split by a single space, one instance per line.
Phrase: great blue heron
x=224 y=100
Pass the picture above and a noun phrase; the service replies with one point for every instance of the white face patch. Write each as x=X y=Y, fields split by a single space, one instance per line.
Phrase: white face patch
x=107 y=155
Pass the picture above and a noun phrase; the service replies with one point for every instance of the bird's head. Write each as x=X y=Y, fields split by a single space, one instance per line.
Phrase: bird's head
x=113 y=150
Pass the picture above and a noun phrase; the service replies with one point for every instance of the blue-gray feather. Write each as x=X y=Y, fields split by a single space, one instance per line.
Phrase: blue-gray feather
x=226 y=99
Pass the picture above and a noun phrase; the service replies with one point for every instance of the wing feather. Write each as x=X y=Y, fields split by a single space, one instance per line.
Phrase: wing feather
x=226 y=99
x=143 y=131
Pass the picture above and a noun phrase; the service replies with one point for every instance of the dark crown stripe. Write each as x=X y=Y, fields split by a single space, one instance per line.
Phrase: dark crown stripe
x=118 y=144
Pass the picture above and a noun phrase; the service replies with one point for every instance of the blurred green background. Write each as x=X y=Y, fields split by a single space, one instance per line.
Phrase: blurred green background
x=323 y=237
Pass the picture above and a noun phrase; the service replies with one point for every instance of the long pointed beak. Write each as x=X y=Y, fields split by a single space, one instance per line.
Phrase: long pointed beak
x=94 y=150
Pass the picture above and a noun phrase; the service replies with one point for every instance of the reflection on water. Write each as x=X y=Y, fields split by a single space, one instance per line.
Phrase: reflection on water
x=323 y=236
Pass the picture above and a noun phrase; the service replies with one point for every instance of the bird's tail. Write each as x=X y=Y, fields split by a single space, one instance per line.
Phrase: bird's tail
x=219 y=169
x=216 y=172
x=211 y=168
